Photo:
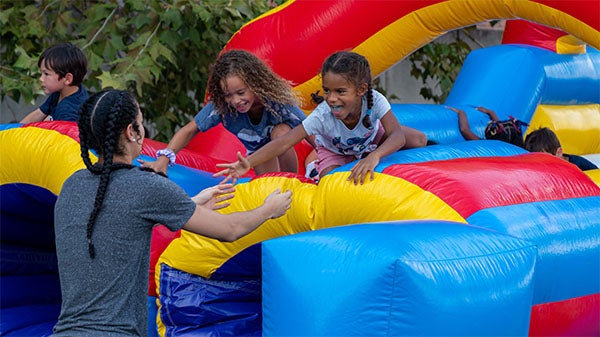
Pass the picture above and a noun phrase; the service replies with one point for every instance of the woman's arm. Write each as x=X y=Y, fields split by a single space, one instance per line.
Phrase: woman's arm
x=230 y=227
x=394 y=140
x=214 y=197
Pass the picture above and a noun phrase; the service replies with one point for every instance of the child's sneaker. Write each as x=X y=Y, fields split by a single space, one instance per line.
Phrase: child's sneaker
x=311 y=171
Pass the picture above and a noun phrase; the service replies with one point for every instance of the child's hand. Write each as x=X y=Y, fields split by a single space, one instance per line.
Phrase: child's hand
x=234 y=170
x=362 y=168
x=159 y=165
x=458 y=111
x=488 y=112
x=214 y=197
x=278 y=203
x=484 y=110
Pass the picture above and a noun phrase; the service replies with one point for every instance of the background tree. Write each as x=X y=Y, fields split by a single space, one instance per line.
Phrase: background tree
x=438 y=63
x=158 y=50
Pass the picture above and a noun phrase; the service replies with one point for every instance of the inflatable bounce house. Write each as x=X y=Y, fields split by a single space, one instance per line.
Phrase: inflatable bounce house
x=461 y=238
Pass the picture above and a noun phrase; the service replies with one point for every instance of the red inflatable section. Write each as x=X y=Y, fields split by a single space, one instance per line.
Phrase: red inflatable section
x=573 y=317
x=441 y=178
x=322 y=26
x=525 y=32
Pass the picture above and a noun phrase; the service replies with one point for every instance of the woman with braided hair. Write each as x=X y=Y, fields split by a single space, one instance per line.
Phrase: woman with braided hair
x=104 y=217
x=353 y=122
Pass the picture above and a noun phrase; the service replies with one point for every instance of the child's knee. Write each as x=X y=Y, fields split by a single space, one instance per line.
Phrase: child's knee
x=414 y=138
x=279 y=130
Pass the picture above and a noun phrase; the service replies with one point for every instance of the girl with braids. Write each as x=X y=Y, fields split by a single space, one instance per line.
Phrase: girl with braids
x=104 y=217
x=353 y=122
x=252 y=102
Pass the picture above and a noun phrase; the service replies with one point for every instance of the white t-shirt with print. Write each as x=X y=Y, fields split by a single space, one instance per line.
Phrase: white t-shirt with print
x=333 y=134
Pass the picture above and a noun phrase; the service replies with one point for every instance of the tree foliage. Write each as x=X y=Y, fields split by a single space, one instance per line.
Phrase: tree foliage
x=159 y=50
x=437 y=64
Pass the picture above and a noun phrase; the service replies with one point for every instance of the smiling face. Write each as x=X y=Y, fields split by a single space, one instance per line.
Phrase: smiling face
x=239 y=96
x=343 y=97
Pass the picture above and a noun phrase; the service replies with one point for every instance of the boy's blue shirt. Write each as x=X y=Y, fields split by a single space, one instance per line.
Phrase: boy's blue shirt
x=581 y=162
x=68 y=108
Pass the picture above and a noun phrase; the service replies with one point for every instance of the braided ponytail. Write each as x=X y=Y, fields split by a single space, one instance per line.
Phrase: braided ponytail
x=367 y=120
x=102 y=119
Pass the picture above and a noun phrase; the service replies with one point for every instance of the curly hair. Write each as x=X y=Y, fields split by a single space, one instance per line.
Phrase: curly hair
x=256 y=74
x=355 y=69
x=102 y=119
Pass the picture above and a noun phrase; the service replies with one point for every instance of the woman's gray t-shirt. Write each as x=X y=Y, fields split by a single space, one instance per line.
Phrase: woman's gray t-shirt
x=107 y=296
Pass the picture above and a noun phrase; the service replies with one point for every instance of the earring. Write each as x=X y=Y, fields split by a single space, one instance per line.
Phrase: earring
x=133 y=139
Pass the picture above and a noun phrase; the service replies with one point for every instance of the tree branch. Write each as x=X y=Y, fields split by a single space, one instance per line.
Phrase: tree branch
x=101 y=28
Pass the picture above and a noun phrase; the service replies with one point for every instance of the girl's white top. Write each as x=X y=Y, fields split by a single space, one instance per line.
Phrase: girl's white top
x=334 y=135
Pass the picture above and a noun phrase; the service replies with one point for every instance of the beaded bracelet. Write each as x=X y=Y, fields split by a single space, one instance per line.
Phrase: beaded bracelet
x=167 y=153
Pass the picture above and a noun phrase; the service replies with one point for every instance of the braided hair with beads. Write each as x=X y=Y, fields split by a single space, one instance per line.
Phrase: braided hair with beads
x=102 y=120
x=355 y=69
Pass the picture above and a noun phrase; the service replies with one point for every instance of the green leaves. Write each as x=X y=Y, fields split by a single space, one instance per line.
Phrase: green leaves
x=437 y=64
x=158 y=50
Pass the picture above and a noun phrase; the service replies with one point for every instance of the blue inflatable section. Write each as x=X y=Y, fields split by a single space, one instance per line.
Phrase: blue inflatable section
x=413 y=278
x=470 y=149
x=518 y=78
x=212 y=307
x=567 y=235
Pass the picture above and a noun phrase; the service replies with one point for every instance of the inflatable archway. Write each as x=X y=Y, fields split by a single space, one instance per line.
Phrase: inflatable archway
x=305 y=32
x=535 y=217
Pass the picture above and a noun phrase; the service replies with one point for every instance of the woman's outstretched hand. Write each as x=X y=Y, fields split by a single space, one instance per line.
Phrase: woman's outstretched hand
x=277 y=203
x=214 y=197
x=234 y=170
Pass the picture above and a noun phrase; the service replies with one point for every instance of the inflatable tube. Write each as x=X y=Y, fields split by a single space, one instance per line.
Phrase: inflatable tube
x=459 y=182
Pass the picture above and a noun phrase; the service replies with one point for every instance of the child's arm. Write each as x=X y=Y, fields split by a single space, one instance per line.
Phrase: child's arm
x=489 y=112
x=270 y=150
x=463 y=125
x=35 y=116
x=180 y=139
x=394 y=141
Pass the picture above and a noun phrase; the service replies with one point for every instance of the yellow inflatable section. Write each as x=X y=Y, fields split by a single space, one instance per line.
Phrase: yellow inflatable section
x=402 y=200
x=577 y=126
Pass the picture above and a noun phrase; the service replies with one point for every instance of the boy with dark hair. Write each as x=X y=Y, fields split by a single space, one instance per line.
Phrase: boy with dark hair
x=545 y=140
x=63 y=68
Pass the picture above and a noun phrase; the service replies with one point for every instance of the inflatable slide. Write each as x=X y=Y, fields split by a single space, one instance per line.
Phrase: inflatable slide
x=459 y=238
